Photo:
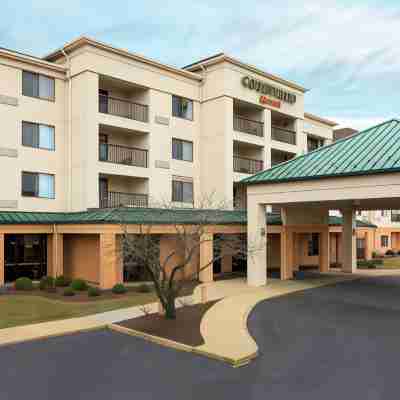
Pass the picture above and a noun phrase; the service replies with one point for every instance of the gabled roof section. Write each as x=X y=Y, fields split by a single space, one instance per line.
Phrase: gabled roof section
x=222 y=57
x=375 y=150
x=84 y=40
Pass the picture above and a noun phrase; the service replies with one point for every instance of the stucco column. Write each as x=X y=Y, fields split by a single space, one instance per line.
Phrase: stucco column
x=206 y=257
x=349 y=241
x=2 y=261
x=55 y=254
x=111 y=264
x=256 y=244
x=369 y=243
x=287 y=253
x=324 y=256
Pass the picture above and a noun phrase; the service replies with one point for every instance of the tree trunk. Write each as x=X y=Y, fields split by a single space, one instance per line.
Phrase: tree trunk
x=170 y=309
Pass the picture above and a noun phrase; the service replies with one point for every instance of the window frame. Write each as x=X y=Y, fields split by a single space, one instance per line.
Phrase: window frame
x=38 y=126
x=181 y=191
x=181 y=142
x=182 y=98
x=52 y=100
x=37 y=185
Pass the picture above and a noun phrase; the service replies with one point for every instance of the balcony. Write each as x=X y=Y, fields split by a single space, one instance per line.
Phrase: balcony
x=245 y=165
x=124 y=155
x=123 y=108
x=246 y=125
x=283 y=135
x=119 y=199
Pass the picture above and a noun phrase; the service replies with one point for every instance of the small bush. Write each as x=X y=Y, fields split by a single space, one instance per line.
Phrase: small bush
x=366 y=264
x=62 y=281
x=144 y=288
x=119 y=288
x=94 y=291
x=390 y=253
x=79 y=285
x=46 y=283
x=68 y=291
x=23 y=284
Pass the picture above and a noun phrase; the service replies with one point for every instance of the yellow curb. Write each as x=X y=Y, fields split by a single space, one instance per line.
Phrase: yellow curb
x=180 y=346
x=53 y=335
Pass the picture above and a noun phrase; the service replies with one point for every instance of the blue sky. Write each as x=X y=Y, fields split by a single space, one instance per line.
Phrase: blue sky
x=346 y=51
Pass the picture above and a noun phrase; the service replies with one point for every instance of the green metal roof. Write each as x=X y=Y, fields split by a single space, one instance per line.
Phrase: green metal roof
x=375 y=150
x=143 y=216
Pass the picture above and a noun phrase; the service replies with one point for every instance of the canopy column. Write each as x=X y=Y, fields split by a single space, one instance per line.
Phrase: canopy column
x=111 y=265
x=324 y=259
x=206 y=257
x=349 y=241
x=256 y=244
x=2 y=262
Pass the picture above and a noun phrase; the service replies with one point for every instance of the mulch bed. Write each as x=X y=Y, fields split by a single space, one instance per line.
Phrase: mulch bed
x=184 y=329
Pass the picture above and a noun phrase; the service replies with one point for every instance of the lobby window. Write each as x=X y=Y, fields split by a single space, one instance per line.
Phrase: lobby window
x=385 y=241
x=313 y=245
x=37 y=185
x=314 y=143
x=36 y=85
x=38 y=135
x=182 y=108
x=182 y=191
x=182 y=150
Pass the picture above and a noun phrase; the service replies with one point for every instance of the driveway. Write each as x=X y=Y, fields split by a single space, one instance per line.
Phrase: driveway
x=340 y=341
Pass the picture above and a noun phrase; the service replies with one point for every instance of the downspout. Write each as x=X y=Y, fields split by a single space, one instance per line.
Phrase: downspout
x=69 y=157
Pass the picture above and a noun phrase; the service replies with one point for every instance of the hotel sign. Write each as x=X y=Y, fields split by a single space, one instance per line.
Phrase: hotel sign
x=268 y=90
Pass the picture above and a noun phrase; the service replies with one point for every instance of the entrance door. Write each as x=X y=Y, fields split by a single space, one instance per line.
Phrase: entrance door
x=103 y=193
x=361 y=248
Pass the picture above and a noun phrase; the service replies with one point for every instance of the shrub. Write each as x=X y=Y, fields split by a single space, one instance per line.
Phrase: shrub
x=144 y=288
x=79 y=284
x=94 y=291
x=375 y=254
x=119 y=288
x=23 y=284
x=46 y=283
x=367 y=264
x=68 y=291
x=62 y=281
x=389 y=252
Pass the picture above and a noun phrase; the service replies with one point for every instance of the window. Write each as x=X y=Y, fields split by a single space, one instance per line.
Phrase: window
x=182 y=191
x=182 y=108
x=314 y=143
x=38 y=185
x=182 y=150
x=384 y=241
x=35 y=85
x=38 y=135
x=395 y=217
x=313 y=245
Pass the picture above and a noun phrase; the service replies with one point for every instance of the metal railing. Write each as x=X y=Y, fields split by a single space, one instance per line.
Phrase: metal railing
x=247 y=165
x=123 y=108
x=119 y=199
x=248 y=126
x=283 y=135
x=117 y=154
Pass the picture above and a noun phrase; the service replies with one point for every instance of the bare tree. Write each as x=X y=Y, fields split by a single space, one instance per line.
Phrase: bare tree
x=172 y=271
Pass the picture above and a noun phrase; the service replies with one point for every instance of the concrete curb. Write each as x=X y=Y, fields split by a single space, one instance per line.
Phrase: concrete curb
x=180 y=346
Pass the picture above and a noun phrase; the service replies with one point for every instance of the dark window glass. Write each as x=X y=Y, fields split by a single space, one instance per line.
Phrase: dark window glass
x=35 y=85
x=314 y=143
x=30 y=134
x=182 y=150
x=182 y=192
x=384 y=241
x=103 y=101
x=30 y=184
x=182 y=108
x=313 y=245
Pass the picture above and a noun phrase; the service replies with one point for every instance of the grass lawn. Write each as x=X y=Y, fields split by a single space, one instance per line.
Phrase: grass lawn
x=390 y=263
x=28 y=309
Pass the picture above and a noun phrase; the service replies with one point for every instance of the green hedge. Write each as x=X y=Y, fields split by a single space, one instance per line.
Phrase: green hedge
x=23 y=284
x=119 y=288
x=79 y=285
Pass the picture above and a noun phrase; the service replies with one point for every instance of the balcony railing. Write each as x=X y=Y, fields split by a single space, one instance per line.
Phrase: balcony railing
x=118 y=199
x=283 y=135
x=248 y=126
x=247 y=165
x=117 y=154
x=123 y=108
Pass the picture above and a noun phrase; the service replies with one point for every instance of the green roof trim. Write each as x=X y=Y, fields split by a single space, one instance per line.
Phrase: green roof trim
x=372 y=151
x=137 y=216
